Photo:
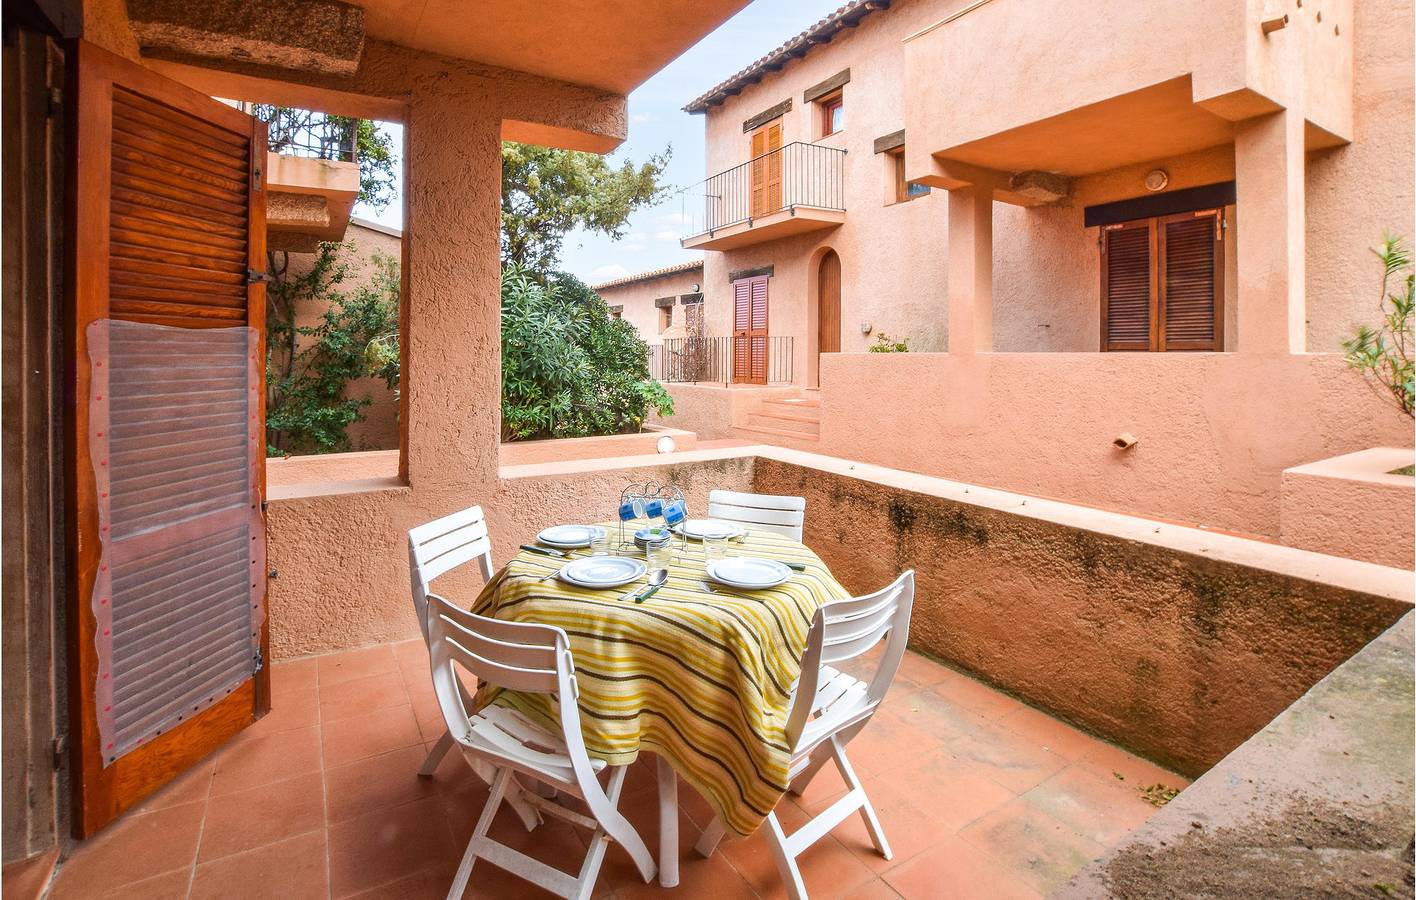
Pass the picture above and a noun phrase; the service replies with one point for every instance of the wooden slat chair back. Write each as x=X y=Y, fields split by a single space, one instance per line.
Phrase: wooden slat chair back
x=534 y=659
x=829 y=708
x=768 y=512
x=435 y=549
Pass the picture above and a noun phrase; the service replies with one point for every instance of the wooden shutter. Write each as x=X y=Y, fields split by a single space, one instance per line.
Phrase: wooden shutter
x=1128 y=286
x=742 y=322
x=828 y=305
x=1191 y=281
x=166 y=456
x=766 y=169
x=758 y=166
x=757 y=331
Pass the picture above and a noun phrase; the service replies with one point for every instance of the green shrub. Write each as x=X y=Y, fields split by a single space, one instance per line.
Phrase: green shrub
x=885 y=344
x=568 y=368
x=1383 y=354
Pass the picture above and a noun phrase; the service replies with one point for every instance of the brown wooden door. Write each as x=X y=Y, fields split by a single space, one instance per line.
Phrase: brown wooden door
x=767 y=169
x=828 y=304
x=1162 y=283
x=750 y=330
x=1129 y=293
x=166 y=446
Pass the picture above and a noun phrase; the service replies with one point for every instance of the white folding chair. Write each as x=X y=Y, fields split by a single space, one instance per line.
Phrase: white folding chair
x=769 y=512
x=435 y=549
x=527 y=658
x=828 y=709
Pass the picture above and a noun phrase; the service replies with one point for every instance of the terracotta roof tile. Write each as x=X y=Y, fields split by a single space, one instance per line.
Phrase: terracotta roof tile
x=650 y=275
x=820 y=33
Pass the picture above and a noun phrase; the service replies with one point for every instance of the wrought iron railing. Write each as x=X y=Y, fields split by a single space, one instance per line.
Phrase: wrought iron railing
x=711 y=360
x=302 y=132
x=797 y=175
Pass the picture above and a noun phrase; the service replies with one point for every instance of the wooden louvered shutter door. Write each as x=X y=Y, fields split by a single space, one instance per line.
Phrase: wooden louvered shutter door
x=1128 y=286
x=757 y=332
x=772 y=193
x=742 y=322
x=1191 y=281
x=166 y=444
x=758 y=169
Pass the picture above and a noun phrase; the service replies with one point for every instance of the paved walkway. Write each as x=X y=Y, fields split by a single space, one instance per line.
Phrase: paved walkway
x=980 y=796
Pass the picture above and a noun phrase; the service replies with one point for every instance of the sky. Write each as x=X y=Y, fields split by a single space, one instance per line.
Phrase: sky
x=657 y=120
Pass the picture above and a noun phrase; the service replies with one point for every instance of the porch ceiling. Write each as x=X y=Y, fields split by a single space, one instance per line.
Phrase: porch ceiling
x=1152 y=123
x=609 y=44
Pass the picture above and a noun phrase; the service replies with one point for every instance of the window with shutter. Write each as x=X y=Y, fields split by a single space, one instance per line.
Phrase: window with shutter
x=750 y=330
x=1162 y=283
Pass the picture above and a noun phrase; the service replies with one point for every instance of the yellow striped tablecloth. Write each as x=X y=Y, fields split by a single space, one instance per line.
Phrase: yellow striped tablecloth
x=701 y=678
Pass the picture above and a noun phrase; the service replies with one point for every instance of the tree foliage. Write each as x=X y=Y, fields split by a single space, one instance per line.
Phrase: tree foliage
x=548 y=192
x=1383 y=354
x=569 y=369
x=309 y=367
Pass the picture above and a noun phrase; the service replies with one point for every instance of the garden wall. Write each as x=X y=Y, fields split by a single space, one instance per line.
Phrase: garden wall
x=1174 y=642
x=1353 y=506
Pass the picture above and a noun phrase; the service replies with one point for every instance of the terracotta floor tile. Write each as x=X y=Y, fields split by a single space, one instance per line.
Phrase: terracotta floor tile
x=191 y=786
x=168 y=886
x=1056 y=737
x=975 y=696
x=384 y=846
x=383 y=781
x=428 y=884
x=287 y=869
x=253 y=818
x=554 y=843
x=825 y=788
x=431 y=724
x=133 y=848
x=1100 y=808
x=952 y=790
x=873 y=890
x=938 y=716
x=1039 y=849
x=1110 y=761
x=699 y=879
x=358 y=696
x=920 y=670
x=276 y=757
x=910 y=822
x=294 y=675
x=377 y=731
x=827 y=867
x=888 y=743
x=361 y=663
x=955 y=870
x=289 y=710
x=1014 y=762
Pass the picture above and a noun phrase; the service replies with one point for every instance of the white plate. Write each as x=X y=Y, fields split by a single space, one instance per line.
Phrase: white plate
x=603 y=571
x=569 y=536
x=748 y=572
x=698 y=529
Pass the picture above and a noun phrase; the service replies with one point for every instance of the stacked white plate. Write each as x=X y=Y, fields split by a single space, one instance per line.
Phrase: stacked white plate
x=569 y=537
x=748 y=573
x=698 y=529
x=602 y=571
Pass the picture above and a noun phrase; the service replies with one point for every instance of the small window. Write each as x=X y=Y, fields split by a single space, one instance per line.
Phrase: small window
x=833 y=114
x=666 y=318
x=904 y=190
x=1162 y=283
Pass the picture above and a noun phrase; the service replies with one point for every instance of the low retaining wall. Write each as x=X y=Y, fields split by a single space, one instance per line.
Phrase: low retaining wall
x=1353 y=506
x=1174 y=642
x=522 y=453
x=1317 y=804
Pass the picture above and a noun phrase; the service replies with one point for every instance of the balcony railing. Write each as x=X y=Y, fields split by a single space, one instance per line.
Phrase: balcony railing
x=302 y=132
x=710 y=359
x=797 y=175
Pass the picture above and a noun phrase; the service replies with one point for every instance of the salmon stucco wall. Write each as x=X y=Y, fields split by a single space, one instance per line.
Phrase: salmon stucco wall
x=637 y=298
x=1214 y=431
x=1354 y=505
x=1178 y=655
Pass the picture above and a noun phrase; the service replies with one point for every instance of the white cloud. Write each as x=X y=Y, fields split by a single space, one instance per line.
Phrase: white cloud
x=667 y=234
x=632 y=248
x=641 y=118
x=676 y=218
x=607 y=273
x=636 y=237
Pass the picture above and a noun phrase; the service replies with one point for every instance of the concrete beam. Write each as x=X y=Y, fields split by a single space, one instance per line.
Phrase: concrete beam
x=324 y=36
x=297 y=211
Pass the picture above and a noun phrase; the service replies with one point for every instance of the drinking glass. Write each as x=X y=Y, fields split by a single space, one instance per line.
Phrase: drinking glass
x=715 y=547
x=601 y=543
x=659 y=557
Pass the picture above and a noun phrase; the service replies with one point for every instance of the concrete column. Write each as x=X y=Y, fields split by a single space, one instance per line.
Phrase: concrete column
x=971 y=269
x=1269 y=166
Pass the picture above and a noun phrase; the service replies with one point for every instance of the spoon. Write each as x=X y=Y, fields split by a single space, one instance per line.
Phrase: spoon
x=656 y=581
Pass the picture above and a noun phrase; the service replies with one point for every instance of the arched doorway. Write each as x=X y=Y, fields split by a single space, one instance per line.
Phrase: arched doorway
x=828 y=304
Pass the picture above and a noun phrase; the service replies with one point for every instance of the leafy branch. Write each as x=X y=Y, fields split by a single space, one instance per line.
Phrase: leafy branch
x=1383 y=354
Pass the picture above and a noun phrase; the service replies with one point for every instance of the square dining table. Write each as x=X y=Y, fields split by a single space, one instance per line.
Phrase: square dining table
x=701 y=677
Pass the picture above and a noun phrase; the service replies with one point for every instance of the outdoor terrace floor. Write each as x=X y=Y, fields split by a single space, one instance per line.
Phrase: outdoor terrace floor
x=980 y=796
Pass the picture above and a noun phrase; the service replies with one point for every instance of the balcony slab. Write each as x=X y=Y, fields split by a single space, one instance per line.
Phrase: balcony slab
x=784 y=223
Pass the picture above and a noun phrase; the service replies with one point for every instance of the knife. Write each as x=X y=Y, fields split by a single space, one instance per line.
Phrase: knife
x=545 y=551
x=647 y=594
